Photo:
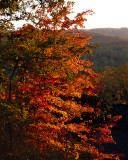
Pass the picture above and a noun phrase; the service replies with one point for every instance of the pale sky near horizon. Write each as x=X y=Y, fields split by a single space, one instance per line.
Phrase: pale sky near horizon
x=108 y=13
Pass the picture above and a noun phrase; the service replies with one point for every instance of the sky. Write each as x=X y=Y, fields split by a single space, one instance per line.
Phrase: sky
x=108 y=13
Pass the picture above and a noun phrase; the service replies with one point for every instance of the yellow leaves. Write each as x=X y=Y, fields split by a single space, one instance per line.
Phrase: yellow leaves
x=23 y=103
x=55 y=143
x=49 y=51
x=72 y=88
x=77 y=156
x=77 y=146
x=17 y=57
x=78 y=128
x=74 y=65
x=64 y=113
x=84 y=137
x=86 y=63
x=72 y=108
x=19 y=64
x=65 y=107
x=80 y=80
x=52 y=126
x=54 y=100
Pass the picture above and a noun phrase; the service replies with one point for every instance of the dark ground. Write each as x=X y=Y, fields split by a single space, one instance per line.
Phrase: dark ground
x=120 y=132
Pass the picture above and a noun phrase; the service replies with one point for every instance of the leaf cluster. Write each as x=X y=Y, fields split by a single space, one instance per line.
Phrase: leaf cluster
x=42 y=81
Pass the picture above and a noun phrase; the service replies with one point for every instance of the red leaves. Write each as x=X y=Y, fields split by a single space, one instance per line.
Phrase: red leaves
x=116 y=118
x=89 y=109
x=50 y=80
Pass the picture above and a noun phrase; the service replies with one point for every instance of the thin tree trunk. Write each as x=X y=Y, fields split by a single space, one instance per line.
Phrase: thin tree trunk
x=10 y=84
x=9 y=124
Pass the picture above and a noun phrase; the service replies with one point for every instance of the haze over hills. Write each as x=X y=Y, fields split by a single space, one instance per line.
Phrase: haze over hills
x=117 y=32
x=113 y=47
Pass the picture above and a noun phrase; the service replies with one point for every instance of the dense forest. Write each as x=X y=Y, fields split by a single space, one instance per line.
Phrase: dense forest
x=113 y=32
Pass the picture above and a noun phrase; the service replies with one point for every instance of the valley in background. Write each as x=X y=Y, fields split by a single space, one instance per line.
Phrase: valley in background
x=112 y=47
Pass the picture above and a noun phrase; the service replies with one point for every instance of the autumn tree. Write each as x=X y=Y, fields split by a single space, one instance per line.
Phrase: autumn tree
x=42 y=76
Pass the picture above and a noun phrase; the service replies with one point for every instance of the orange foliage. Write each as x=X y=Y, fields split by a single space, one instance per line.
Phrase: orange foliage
x=49 y=77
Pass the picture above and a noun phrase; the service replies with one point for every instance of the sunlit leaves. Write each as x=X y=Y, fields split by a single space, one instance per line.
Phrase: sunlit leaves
x=46 y=80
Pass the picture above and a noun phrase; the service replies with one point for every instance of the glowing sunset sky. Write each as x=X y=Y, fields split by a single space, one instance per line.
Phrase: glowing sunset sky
x=108 y=13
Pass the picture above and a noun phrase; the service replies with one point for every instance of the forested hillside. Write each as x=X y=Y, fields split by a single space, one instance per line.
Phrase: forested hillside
x=117 y=32
x=111 y=51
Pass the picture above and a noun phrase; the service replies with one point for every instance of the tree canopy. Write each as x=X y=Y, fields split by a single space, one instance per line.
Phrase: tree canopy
x=42 y=80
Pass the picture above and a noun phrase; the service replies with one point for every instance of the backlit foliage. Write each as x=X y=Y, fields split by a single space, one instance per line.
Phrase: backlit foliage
x=42 y=79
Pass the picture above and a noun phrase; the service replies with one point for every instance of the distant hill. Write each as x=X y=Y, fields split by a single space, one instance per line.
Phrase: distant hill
x=113 y=47
x=117 y=32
